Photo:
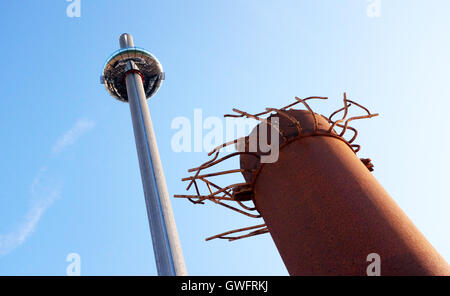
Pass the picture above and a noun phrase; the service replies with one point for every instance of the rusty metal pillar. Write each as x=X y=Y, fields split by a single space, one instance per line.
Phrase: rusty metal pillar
x=326 y=212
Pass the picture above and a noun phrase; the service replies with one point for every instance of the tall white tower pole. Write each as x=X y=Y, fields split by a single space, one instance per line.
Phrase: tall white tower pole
x=166 y=245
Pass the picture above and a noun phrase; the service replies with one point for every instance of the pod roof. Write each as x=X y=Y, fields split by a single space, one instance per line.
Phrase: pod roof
x=114 y=72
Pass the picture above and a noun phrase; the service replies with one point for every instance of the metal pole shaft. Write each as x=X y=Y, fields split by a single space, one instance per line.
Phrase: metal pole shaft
x=166 y=245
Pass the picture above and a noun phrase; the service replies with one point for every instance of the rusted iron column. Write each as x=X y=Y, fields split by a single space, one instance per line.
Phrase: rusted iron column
x=326 y=212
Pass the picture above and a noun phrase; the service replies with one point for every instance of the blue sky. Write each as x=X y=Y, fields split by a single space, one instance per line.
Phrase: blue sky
x=70 y=181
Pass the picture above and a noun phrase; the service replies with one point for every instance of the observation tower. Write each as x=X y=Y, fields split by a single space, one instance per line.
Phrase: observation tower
x=134 y=75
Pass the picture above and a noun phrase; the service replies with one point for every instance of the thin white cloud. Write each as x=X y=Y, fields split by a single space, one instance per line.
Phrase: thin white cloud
x=81 y=126
x=44 y=191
